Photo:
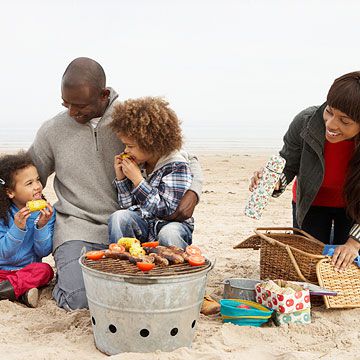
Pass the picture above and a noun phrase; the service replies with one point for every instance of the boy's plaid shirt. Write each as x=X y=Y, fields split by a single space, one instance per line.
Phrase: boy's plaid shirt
x=159 y=194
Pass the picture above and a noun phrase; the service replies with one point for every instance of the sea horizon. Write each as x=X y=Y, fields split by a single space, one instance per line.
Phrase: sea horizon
x=192 y=144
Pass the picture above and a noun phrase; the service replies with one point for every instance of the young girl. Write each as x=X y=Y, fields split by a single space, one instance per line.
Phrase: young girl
x=322 y=149
x=25 y=237
x=152 y=177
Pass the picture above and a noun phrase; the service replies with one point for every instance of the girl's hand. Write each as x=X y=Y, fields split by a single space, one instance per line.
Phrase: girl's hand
x=20 y=218
x=132 y=171
x=118 y=169
x=45 y=216
x=345 y=254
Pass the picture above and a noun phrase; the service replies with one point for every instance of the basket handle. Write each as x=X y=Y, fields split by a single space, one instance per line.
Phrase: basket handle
x=275 y=242
x=294 y=230
x=296 y=266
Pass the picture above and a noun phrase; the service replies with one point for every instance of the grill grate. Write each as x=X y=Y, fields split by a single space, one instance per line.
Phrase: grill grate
x=124 y=267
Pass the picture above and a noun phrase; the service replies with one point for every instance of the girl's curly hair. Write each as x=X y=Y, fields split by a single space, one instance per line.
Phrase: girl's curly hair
x=9 y=165
x=150 y=122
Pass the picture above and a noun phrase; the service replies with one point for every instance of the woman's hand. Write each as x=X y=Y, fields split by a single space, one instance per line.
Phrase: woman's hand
x=131 y=171
x=20 y=218
x=45 y=216
x=254 y=181
x=345 y=254
x=117 y=167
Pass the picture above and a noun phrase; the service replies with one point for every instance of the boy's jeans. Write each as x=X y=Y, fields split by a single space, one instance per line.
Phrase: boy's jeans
x=126 y=223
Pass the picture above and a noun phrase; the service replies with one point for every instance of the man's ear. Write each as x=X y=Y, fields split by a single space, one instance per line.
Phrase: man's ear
x=105 y=94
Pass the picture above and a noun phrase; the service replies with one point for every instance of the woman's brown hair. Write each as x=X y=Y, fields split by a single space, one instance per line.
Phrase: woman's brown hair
x=344 y=95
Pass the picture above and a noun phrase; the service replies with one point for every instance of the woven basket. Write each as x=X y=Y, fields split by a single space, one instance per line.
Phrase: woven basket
x=286 y=253
x=346 y=284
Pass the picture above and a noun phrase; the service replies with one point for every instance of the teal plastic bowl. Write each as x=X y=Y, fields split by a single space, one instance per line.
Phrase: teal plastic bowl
x=244 y=312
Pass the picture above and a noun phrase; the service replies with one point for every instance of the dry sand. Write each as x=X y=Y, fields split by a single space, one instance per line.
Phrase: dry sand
x=48 y=332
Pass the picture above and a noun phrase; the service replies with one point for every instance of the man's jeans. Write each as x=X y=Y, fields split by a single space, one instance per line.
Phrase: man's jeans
x=69 y=290
x=126 y=223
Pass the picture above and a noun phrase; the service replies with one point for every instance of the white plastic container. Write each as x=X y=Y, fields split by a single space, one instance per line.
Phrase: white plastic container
x=259 y=198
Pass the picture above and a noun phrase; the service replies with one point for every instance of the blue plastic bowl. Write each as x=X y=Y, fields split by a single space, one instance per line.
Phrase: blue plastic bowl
x=249 y=313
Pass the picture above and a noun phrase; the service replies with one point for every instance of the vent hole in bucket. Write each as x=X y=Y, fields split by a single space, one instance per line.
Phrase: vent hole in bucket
x=93 y=320
x=193 y=324
x=174 y=331
x=144 y=332
x=112 y=328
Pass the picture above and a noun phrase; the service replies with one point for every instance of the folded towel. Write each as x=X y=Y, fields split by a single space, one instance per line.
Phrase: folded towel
x=329 y=251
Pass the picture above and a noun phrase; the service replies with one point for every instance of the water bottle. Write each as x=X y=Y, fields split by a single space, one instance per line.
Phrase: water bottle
x=259 y=198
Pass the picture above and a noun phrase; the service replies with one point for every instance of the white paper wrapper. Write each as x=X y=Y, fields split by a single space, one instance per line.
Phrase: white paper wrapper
x=259 y=198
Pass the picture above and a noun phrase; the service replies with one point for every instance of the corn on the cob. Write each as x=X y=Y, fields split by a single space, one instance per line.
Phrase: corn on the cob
x=36 y=205
x=127 y=242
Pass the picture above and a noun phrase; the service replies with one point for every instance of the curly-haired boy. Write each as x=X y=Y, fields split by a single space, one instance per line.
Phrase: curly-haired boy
x=152 y=175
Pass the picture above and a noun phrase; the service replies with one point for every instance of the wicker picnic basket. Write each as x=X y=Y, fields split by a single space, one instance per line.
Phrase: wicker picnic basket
x=294 y=255
x=286 y=253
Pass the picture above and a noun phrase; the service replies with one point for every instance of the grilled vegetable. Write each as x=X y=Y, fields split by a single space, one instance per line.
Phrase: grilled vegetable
x=95 y=254
x=144 y=266
x=150 y=244
x=136 y=250
x=196 y=260
x=127 y=242
x=193 y=250
x=116 y=248
x=36 y=205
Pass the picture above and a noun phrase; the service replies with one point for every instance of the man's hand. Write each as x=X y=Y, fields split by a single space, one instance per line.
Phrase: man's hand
x=186 y=207
x=345 y=254
x=45 y=216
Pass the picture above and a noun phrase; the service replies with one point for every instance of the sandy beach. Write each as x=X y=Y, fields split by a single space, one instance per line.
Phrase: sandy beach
x=48 y=332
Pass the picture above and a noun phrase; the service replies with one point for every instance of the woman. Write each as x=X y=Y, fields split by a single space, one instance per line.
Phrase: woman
x=322 y=149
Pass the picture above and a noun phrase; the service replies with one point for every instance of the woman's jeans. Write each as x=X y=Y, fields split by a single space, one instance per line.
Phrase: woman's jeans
x=127 y=223
x=327 y=224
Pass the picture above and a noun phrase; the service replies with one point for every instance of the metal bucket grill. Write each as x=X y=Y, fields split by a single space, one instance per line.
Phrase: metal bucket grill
x=132 y=311
x=124 y=267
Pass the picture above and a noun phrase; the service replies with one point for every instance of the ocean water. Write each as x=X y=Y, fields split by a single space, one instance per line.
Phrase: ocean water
x=15 y=138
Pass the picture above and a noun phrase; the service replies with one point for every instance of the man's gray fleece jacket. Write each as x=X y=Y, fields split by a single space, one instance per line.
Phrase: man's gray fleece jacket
x=82 y=159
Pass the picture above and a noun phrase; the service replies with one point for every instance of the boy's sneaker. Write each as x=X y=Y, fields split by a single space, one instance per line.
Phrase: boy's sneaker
x=30 y=298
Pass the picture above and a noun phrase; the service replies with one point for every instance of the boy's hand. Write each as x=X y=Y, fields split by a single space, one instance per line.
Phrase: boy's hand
x=20 y=218
x=45 y=216
x=131 y=171
x=118 y=169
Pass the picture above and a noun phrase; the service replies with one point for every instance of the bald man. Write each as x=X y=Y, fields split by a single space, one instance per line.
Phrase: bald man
x=79 y=147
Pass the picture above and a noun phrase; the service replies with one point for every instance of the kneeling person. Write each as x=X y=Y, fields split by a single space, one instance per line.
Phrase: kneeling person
x=152 y=176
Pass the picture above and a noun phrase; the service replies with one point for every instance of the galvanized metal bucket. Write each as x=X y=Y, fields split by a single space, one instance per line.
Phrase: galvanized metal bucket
x=240 y=288
x=143 y=313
